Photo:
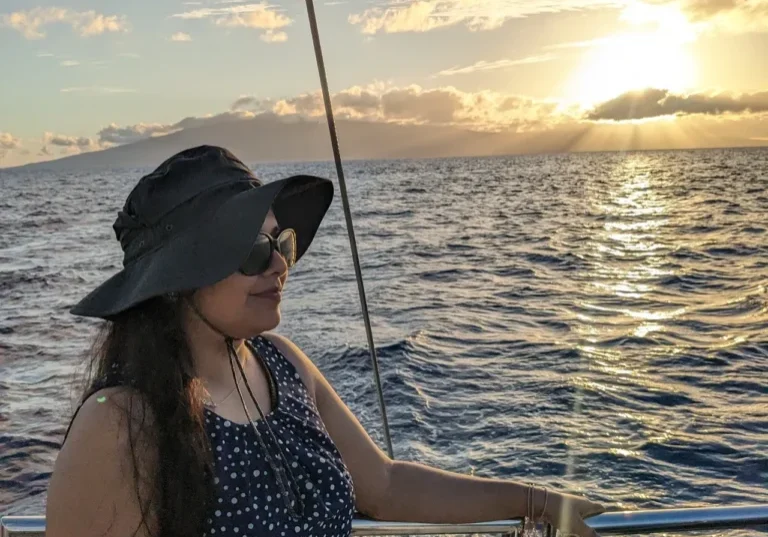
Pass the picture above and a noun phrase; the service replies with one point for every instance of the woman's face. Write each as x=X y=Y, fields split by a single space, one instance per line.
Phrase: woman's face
x=237 y=306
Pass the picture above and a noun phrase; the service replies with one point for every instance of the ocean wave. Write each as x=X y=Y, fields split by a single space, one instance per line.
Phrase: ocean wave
x=594 y=322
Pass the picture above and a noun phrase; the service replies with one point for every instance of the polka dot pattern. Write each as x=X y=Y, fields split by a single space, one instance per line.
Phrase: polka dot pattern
x=248 y=499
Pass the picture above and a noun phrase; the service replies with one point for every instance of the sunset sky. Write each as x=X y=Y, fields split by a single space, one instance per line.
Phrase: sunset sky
x=82 y=75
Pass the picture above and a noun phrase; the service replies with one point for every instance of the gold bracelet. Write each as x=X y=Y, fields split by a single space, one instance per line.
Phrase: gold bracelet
x=544 y=509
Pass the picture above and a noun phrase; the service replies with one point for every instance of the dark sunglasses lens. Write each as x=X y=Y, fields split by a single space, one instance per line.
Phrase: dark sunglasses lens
x=286 y=244
x=259 y=258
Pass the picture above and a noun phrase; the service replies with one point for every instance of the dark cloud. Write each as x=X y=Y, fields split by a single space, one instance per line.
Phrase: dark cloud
x=114 y=134
x=243 y=102
x=706 y=9
x=434 y=106
x=252 y=104
x=353 y=101
x=224 y=117
x=68 y=144
x=361 y=101
x=483 y=110
x=60 y=140
x=651 y=103
x=486 y=111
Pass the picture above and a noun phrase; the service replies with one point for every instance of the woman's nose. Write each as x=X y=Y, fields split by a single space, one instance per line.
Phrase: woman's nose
x=278 y=262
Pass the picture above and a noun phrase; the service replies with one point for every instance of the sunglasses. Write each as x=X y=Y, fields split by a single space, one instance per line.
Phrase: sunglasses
x=260 y=256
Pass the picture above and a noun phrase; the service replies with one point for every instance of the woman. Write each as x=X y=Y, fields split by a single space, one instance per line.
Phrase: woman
x=198 y=421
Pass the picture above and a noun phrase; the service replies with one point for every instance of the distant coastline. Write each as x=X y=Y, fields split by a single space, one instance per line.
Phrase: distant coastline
x=268 y=138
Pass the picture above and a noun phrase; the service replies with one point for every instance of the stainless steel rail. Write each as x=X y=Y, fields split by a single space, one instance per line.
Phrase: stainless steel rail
x=614 y=523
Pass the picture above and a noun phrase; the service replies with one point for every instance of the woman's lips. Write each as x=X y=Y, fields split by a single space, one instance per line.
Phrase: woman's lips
x=269 y=295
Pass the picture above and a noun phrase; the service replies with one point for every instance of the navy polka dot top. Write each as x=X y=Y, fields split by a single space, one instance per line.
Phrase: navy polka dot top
x=248 y=500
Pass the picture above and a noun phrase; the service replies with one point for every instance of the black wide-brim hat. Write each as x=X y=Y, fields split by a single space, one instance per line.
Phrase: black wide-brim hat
x=192 y=222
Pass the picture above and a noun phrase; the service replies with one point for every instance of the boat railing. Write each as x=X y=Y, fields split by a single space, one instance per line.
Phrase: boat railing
x=611 y=523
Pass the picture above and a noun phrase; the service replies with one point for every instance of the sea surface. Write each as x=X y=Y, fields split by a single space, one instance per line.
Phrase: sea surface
x=595 y=322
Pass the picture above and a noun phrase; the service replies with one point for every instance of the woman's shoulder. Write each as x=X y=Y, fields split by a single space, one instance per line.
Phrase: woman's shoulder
x=95 y=471
x=107 y=407
x=113 y=419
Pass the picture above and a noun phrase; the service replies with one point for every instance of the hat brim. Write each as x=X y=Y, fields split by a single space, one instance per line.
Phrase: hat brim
x=212 y=250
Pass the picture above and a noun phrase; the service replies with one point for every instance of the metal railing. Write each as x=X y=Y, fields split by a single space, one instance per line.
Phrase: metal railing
x=614 y=523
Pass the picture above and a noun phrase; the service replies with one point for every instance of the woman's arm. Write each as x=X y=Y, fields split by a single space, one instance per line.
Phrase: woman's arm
x=411 y=492
x=419 y=493
x=92 y=492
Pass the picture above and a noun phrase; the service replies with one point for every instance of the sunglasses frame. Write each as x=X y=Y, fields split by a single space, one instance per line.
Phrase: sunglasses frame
x=274 y=246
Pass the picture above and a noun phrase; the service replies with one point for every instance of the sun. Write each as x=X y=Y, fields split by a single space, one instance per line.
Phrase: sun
x=631 y=61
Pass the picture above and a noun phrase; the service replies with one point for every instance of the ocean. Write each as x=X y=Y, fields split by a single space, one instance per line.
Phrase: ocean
x=597 y=323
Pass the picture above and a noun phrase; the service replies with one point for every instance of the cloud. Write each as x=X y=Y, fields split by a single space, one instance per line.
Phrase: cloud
x=439 y=106
x=96 y=90
x=8 y=142
x=181 y=37
x=61 y=140
x=510 y=123
x=270 y=36
x=730 y=15
x=700 y=10
x=251 y=103
x=243 y=102
x=211 y=119
x=115 y=134
x=448 y=106
x=424 y=15
x=652 y=103
x=68 y=144
x=261 y=16
x=69 y=63
x=484 y=65
x=31 y=23
x=484 y=110
x=357 y=100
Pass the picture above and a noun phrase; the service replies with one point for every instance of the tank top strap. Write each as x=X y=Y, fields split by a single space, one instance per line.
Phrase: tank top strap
x=282 y=369
x=293 y=395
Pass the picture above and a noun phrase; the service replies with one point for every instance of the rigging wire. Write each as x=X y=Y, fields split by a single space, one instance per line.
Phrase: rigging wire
x=348 y=216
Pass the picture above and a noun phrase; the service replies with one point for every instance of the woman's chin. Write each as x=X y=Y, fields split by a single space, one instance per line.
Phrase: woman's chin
x=267 y=322
x=259 y=316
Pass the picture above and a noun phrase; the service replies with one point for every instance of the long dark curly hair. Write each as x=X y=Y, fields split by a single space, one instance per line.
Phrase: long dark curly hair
x=145 y=347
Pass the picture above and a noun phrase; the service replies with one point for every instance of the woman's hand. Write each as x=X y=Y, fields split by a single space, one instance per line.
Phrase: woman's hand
x=567 y=512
